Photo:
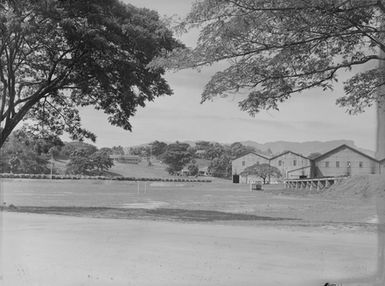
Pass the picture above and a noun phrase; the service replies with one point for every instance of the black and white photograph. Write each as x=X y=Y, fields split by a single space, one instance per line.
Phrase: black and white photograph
x=192 y=142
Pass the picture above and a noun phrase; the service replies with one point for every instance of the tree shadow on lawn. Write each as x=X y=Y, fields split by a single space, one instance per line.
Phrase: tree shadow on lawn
x=140 y=213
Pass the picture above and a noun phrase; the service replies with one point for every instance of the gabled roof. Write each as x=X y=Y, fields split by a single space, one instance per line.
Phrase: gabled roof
x=286 y=152
x=262 y=156
x=343 y=146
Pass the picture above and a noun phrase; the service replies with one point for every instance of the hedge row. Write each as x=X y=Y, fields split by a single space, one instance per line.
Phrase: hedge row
x=81 y=177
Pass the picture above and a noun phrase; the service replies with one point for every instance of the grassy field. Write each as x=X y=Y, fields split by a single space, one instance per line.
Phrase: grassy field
x=186 y=201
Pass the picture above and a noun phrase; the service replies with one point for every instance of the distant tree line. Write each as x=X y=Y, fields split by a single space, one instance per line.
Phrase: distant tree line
x=179 y=155
x=29 y=152
x=32 y=151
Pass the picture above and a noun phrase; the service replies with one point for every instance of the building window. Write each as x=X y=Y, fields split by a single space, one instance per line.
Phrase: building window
x=279 y=163
x=243 y=163
x=327 y=164
x=361 y=164
x=294 y=162
x=337 y=164
x=348 y=164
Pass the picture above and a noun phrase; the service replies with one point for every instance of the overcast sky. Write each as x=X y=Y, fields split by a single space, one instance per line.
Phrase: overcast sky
x=309 y=116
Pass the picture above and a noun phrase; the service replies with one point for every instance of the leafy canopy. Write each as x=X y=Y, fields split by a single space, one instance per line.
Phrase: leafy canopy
x=274 y=49
x=57 y=55
x=263 y=171
x=176 y=157
x=25 y=153
x=221 y=166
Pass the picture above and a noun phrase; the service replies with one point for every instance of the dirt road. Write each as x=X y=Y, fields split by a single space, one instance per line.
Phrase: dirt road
x=57 y=250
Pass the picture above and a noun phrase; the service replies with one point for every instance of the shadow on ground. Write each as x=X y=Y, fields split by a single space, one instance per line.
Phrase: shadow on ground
x=139 y=213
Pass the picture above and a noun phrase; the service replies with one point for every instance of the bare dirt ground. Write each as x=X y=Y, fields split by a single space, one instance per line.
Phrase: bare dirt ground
x=59 y=250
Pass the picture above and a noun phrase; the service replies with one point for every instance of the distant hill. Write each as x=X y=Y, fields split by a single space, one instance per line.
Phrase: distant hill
x=304 y=148
x=157 y=170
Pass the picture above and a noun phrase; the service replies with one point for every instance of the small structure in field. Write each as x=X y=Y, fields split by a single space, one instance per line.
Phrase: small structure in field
x=204 y=171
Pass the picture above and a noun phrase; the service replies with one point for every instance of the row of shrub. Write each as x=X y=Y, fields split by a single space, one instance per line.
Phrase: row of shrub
x=82 y=177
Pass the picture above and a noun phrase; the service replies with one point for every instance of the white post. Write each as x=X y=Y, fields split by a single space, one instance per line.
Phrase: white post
x=138 y=187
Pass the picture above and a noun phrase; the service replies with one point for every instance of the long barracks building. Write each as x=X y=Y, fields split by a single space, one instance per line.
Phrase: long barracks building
x=338 y=162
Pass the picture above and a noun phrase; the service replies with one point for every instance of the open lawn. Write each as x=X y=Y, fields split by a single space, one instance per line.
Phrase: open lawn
x=217 y=196
x=87 y=232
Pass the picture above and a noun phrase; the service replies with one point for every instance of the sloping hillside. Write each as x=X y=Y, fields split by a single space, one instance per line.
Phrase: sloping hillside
x=364 y=186
x=142 y=169
x=127 y=170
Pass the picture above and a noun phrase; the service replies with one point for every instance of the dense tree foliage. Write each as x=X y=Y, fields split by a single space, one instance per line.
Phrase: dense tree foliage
x=83 y=163
x=278 y=48
x=80 y=163
x=238 y=149
x=70 y=147
x=193 y=170
x=176 y=157
x=158 y=148
x=264 y=171
x=117 y=150
x=140 y=150
x=57 y=55
x=101 y=161
x=274 y=49
x=21 y=155
x=221 y=167
x=30 y=153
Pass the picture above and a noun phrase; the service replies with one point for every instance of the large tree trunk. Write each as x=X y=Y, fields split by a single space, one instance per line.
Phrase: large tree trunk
x=380 y=147
x=380 y=154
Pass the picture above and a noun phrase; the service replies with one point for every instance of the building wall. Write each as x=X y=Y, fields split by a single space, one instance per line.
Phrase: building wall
x=249 y=179
x=288 y=162
x=296 y=174
x=238 y=165
x=343 y=163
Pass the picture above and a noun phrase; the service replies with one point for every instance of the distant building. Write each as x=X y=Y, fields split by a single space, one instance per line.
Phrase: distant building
x=300 y=173
x=204 y=171
x=127 y=159
x=184 y=172
x=292 y=165
x=344 y=161
x=341 y=161
x=241 y=163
